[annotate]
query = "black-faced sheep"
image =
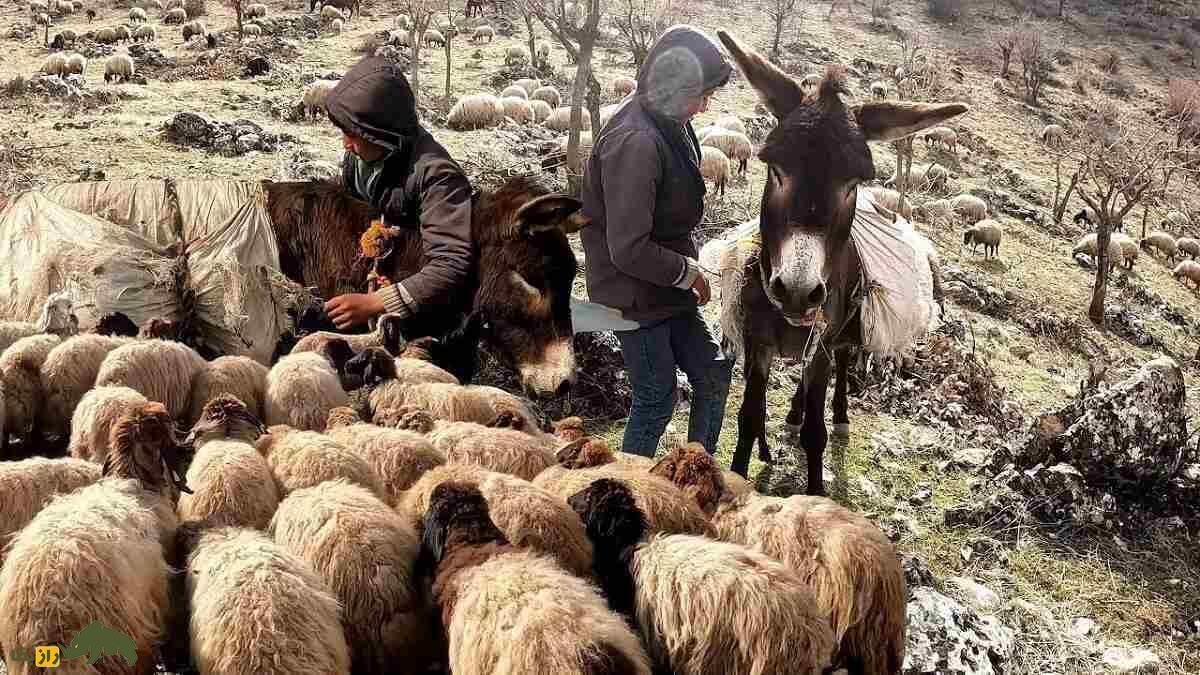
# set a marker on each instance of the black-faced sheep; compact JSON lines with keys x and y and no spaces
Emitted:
{"x":366,"y":554}
{"x":1189,"y":246}
{"x":160,"y":370}
{"x":97,"y":553}
{"x":232,"y":484}
{"x":243,"y":589}
{"x":387,"y":333}
{"x":301,"y":390}
{"x":987,"y":232}
{"x":24,"y":397}
{"x":94,"y":417}
{"x":28,"y":485}
{"x":399,"y":458}
{"x":301,"y":459}
{"x":504,"y":608}
{"x":704,"y":607}
{"x":1163,"y":242}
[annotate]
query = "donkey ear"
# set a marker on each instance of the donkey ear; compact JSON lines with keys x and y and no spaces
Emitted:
{"x":780,"y":93}
{"x":889,"y":120}
{"x":550,"y":212}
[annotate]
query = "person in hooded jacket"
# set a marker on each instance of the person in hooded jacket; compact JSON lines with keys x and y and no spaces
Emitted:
{"x":645,"y":197}
{"x":397,"y":166}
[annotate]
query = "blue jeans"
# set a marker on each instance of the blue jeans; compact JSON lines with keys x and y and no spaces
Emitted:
{"x":651,"y":354}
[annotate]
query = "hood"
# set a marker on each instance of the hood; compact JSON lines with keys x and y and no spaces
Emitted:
{"x":683,"y":63}
{"x":374,"y":101}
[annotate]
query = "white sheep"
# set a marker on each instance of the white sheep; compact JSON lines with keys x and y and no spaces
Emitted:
{"x":542,"y":49}
{"x":94,"y":417}
{"x":987,"y":232}
{"x":529,"y":84}
{"x":118,"y":67}
{"x":55,"y":64}
{"x":28,"y":486}
{"x":541,"y":110}
{"x":475,"y":111}
{"x":942,"y":137}
{"x":483,"y":32}
{"x":714,"y":167}
{"x":924,"y":176}
{"x":623,"y":86}
{"x":313,"y":102}
{"x":301,"y":459}
{"x":733,"y":144}
{"x":301,"y":390}
{"x":24,"y":397}
{"x":1053,"y":134}
{"x":972,"y":209}
{"x":1189,"y":246}
{"x":403,"y":22}
{"x":76,"y":64}
{"x":732,"y":123}
{"x":1088,"y":245}
{"x":398,"y":457}
{"x":879,"y":89}
{"x":560,"y":120}
{"x":433,"y":37}
{"x":239,"y":376}
{"x":1162,"y":241}
{"x":329,"y":13}
{"x":256,"y":10}
{"x":251,"y":30}
{"x":548,"y":94}
{"x":517,"y":109}
{"x":1129,"y":248}
{"x":1187,"y":270}
{"x":514,"y":91}
{"x":160,"y":370}
{"x":57,"y":317}
{"x":137,"y":15}
{"x":175,"y":16}
{"x":193,"y":28}
{"x":1177,"y":219}
{"x":147,"y":34}
{"x":336,"y":26}
{"x":516,"y":55}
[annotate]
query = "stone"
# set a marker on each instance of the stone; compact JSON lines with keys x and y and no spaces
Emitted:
{"x":975,"y":594}
{"x":947,"y":638}
{"x":916,"y":572}
{"x":970,"y":458}
{"x":1133,"y":661}
{"x":1083,"y":627}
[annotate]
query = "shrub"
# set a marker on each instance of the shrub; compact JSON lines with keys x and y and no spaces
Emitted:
{"x":195,"y":8}
{"x":945,"y":9}
{"x":1119,"y":86}
{"x":1183,"y":104}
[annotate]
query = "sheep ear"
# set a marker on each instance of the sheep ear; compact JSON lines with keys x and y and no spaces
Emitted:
{"x":890,"y":120}
{"x":550,"y":212}
{"x":433,"y":539}
{"x":393,"y":336}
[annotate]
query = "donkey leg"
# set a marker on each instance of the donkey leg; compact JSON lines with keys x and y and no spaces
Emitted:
{"x":815,"y":436}
{"x":752,"y":417}
{"x":841,"y":418}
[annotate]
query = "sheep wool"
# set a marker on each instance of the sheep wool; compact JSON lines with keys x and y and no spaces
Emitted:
{"x":475,"y":111}
{"x":1189,"y":246}
{"x":517,"y":109}
{"x":1188,"y":270}
{"x":972,"y":209}
{"x":560,"y":120}
{"x":161,"y":370}
{"x":366,"y":554}
{"x":232,"y":485}
{"x":239,"y":376}
{"x":94,"y":417}
{"x":548,"y":95}
{"x":301,"y":459}
{"x":28,"y":485}
{"x":1162,"y":241}
{"x":20,"y":377}
{"x":514,"y":91}
{"x":623,"y":86}
{"x":398,"y":458}
{"x":118,"y":67}
{"x":541,"y":110}
{"x":458,"y":403}
{"x":504,"y":451}
{"x":714,"y":167}
{"x":301,"y":390}
{"x":243,"y":589}
{"x":516,"y":54}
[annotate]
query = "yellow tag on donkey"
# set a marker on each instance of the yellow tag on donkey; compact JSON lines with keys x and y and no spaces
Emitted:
{"x":93,"y":642}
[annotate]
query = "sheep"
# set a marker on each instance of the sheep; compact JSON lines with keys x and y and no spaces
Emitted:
{"x":193,"y":28}
{"x":37,"y":6}
{"x":331,"y":13}
{"x":1162,"y":241}
{"x":175,"y":16}
{"x":1053,"y":134}
{"x":743,"y":612}
{"x":548,"y":94}
{"x":560,"y":120}
{"x":517,"y":109}
{"x":1129,"y":248}
{"x":530,"y":517}
{"x":1176,"y":219}
{"x":97,"y":553}
{"x":243,"y":589}
{"x":846,"y":560}
{"x":924,"y":176}
{"x":161,"y":370}
{"x":987,"y":232}
{"x":398,"y":38}
{"x":147,"y":34}
{"x":76,"y":64}
{"x":65,"y":8}
{"x":106,"y":36}
{"x":970,"y":208}
{"x":623,"y":85}
{"x":92,"y":422}
{"x":137,"y":15}
{"x":504,"y":451}
{"x":733,"y":144}
{"x":1187,"y":269}
{"x":399,"y":458}
{"x":503,"y":607}
{"x":513,"y":91}
{"x":65,"y":36}
{"x":1088,"y":216}
{"x":232,"y":484}
{"x":1189,"y":246}
{"x":313,"y":104}
{"x":732,"y":123}
{"x":403,"y":22}
{"x":336,"y":26}
{"x":483,"y":32}
{"x":301,"y":390}
{"x":475,"y":111}
{"x":414,"y":365}
{"x":118,"y":67}
{"x":433,"y":37}
{"x":890,"y":200}
{"x":879,"y":89}
{"x":69,"y":372}
{"x":943,"y":137}
{"x":24,"y":397}
{"x":387,"y":333}
{"x":998,"y":84}
{"x":255,"y":11}
{"x":301,"y":459}
{"x":252,"y":30}
{"x":366,"y":554}
{"x":55,"y":64}
{"x":240,"y":376}
{"x":529,"y":84}
{"x":123,"y":34}
{"x":28,"y":485}
{"x":516,"y":54}
{"x":714,"y":167}
{"x":541,"y":110}
{"x":57,"y":317}
{"x":1088,"y":246}
{"x":91,"y":15}
{"x":542,"y":49}
{"x":42,"y":19}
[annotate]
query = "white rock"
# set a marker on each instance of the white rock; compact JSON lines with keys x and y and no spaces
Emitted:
{"x":1083,"y":627}
{"x":1136,"y":661}
{"x":970,"y":457}
{"x":975,"y":594}
{"x":947,"y":638}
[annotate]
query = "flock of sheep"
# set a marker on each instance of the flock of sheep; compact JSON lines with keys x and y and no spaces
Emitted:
{"x":334,"y":538}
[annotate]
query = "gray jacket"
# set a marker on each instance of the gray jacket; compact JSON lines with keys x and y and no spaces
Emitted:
{"x":642,"y":187}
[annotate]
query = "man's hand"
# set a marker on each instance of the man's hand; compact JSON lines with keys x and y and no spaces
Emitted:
{"x":353,"y":309}
{"x":701,"y":289}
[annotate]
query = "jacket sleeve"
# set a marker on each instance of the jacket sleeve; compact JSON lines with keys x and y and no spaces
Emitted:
{"x":630,"y":166}
{"x":446,"y":239}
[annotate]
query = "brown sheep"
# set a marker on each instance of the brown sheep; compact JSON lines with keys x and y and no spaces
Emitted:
{"x":301,"y":459}
{"x":399,"y":458}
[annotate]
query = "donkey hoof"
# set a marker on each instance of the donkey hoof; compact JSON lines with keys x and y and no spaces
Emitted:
{"x":842,"y":430}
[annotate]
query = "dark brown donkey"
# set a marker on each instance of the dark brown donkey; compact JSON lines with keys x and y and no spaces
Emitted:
{"x":520,"y":290}
{"x":816,"y":158}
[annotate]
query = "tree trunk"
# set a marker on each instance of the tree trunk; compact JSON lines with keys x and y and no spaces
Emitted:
{"x":415,"y":42}
{"x":532,"y":40}
{"x":1061,"y":5}
{"x":449,"y":52}
{"x":578,"y":93}
{"x":778,"y":33}
{"x":1096,"y":310}
{"x":1060,"y":204}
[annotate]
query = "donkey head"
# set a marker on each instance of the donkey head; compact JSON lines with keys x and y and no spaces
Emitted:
{"x":816,"y":158}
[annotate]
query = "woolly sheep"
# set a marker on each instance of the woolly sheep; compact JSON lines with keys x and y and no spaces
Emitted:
{"x":879,"y":89}
{"x":475,"y":111}
{"x":251,"y":29}
{"x":42,"y":19}
{"x":232,"y":484}
{"x":256,"y":10}
{"x":516,"y":54}
{"x":118,"y":67}
{"x":504,"y":607}
{"x":517,"y":109}
{"x":76,"y":64}
{"x":301,"y":390}
{"x":123,"y":33}
{"x":57,"y":317}
{"x":239,"y":376}
{"x":399,"y":458}
{"x":28,"y":485}
{"x":541,"y":110}
{"x":943,"y":137}
{"x":175,"y":16}
{"x":1088,"y":245}
{"x":106,"y":36}
{"x":970,"y":208}
{"x":732,"y":123}
{"x":1185,"y":270}
{"x":1177,"y":219}
{"x":1053,"y":134}
{"x":329,"y":13}
{"x":623,"y":86}
{"x":397,"y":38}
{"x":1189,"y":246}
{"x":366,"y":554}
{"x":414,"y":366}
{"x":733,"y":144}
{"x":94,"y":417}
{"x":987,"y":232}
{"x":542,"y":48}
{"x":741,"y":612}
{"x":336,"y":26}
{"x":529,"y":84}
{"x":97,"y":553}
{"x":1129,"y":248}
{"x":65,"y":8}
{"x":193,"y":28}
{"x":69,"y":372}
{"x":503,"y":451}
{"x":714,"y":167}
{"x":433,"y":37}
{"x":55,"y":64}
{"x":137,"y":15}
{"x":160,"y":370}
{"x":24,"y":397}
{"x":403,"y":22}
{"x":890,"y":200}
{"x":387,"y":333}
{"x":1088,"y":216}
{"x":1162,"y":241}
{"x":548,"y":94}
{"x":560,"y":120}
{"x":243,"y":589}
{"x":313,"y":103}
{"x":513,"y":91}
{"x":301,"y":459}
{"x":149,"y":34}
{"x":483,"y":32}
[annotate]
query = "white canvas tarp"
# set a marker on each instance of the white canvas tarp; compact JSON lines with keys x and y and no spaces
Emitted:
{"x":200,"y":250}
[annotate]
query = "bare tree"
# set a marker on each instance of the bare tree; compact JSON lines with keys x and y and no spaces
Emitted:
{"x":1006,"y":42}
{"x":578,"y":36}
{"x":238,"y":7}
{"x":421,"y":13}
{"x":639,"y":23}
{"x":1062,"y":4}
{"x":1031,"y":51}
{"x":447,"y":47}
{"x":526,"y":8}
{"x":782,"y":13}
{"x":911,"y":51}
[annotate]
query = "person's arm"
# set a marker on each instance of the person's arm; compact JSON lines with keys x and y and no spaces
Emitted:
{"x":630,"y":167}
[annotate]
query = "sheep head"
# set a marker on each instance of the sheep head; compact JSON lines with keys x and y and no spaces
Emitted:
{"x":160,"y":329}
{"x":116,"y":324}
{"x":407,"y":417}
{"x":143,"y":447}
{"x":225,"y":416}
{"x":584,"y":453}
{"x":695,"y":472}
{"x":337,"y":352}
{"x":610,"y":514}
{"x":58,"y":316}
{"x":390,"y":326}
{"x":507,"y":417}
{"x":457,"y":515}
{"x":569,"y":429}
{"x":342,"y":417}
{"x":373,"y":366}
